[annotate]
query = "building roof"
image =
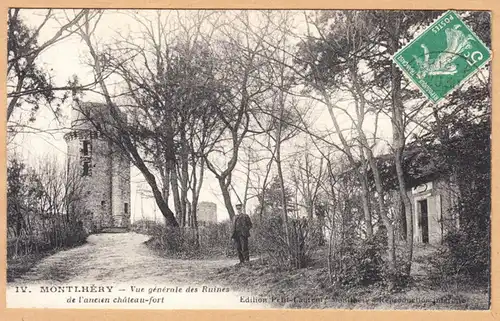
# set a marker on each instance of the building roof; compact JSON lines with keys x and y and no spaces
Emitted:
{"x":418,"y":165}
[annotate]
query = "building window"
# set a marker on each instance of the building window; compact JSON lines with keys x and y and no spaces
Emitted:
{"x":126,"y":208}
{"x":103,"y":204}
{"x":86,"y":168}
{"x":86,"y":147}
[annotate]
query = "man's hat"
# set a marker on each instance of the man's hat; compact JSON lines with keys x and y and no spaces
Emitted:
{"x":239,"y":206}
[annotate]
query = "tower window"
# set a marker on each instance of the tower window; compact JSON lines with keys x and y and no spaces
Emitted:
{"x":103,"y":204}
{"x":126,"y":208}
{"x":86,"y":169}
{"x":86,"y":147}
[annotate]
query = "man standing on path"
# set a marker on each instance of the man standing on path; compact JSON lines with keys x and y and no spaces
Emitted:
{"x":241,"y":232}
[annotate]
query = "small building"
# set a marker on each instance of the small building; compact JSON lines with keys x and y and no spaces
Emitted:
{"x":433,"y":195}
{"x":432,"y":205}
{"x":104,"y":171}
{"x":431,"y":190}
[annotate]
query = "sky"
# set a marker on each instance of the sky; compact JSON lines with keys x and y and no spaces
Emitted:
{"x":67,"y":58}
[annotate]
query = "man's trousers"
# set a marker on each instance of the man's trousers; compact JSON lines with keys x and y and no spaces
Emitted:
{"x":242,"y":247}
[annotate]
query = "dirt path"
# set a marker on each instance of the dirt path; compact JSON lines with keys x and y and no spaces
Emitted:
{"x":124,"y":259}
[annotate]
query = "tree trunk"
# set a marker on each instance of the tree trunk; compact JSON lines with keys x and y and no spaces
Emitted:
{"x":365,"y":199}
{"x":174,"y":182}
{"x":401,"y":217}
{"x":399,"y":142}
{"x":184,"y":178}
{"x":128,"y":145}
{"x":282,"y":181}
{"x":407,"y":209}
{"x":165,"y":177}
{"x":264,"y":184}
{"x":162,"y":204}
{"x":353,"y":163}
{"x":227,"y":197}
{"x":195,"y":196}
{"x":391,"y":252}
{"x":283,"y":200}
{"x":391,"y":245}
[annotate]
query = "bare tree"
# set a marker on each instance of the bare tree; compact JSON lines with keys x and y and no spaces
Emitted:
{"x":241,"y":69}
{"x":332,"y":89}
{"x":308,"y":176}
{"x":122,"y":134}
{"x":44,"y":206}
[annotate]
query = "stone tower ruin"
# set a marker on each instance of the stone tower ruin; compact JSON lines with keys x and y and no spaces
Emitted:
{"x":207,"y":213}
{"x":105,"y":173}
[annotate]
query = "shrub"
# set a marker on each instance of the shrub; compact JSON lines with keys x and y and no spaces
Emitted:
{"x":54,"y":237}
{"x":211,"y":240}
{"x":465,"y":255}
{"x":270,"y":240}
{"x":463,"y":258}
{"x":360,"y":264}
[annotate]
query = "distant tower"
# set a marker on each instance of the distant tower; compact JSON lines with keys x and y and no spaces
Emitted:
{"x":105,"y":172}
{"x":207,"y":212}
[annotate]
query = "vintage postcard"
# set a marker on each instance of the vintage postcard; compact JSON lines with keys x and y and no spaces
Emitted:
{"x":167,"y":159}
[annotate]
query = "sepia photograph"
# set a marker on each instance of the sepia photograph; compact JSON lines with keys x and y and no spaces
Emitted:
{"x":248,"y":159}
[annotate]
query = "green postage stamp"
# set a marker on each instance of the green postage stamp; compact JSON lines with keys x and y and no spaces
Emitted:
{"x":445,"y":55}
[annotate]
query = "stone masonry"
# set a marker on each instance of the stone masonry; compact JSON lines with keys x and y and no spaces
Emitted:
{"x":207,"y":212}
{"x":105,"y":173}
